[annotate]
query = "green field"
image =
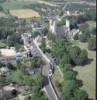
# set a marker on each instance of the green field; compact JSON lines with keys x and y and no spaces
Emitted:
{"x":2,"y":45}
{"x":19,"y":4}
{"x":91,"y":24}
{"x":88,"y":73}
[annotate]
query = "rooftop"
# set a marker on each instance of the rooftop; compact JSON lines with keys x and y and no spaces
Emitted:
{"x":8,"y":52}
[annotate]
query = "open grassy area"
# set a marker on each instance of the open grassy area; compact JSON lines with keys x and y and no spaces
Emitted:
{"x":24,"y":13}
{"x":91,"y":24}
{"x":2,"y":45}
{"x":87,"y":73}
{"x":18,"y":4}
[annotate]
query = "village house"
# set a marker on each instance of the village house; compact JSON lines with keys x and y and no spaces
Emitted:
{"x":4,"y":71}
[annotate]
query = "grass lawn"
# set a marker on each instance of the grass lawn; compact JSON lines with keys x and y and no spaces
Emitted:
{"x":91,"y":24}
{"x":87,"y":73}
{"x":2,"y":45}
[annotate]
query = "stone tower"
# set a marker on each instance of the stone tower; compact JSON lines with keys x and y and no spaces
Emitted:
{"x":52,"y":26}
{"x":68,"y":25}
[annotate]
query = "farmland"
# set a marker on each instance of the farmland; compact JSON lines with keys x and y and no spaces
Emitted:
{"x":24,"y":13}
{"x":19,"y":4}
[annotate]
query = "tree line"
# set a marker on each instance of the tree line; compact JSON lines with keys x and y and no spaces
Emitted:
{"x":68,"y":56}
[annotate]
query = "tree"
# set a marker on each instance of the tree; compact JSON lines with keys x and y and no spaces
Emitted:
{"x":34,"y":34}
{"x":43,"y":45}
{"x":76,"y":37}
{"x":51,"y":37}
{"x":15,"y":40}
{"x":67,"y":67}
{"x":1,"y":1}
{"x":73,"y":24}
{"x":45,"y":31}
{"x":84,"y":36}
{"x":2,"y":64}
{"x":80,"y":95}
{"x":69,"y":87}
{"x":74,"y":52}
{"x":17,"y":77}
{"x":1,"y":8}
{"x":78,"y":56}
{"x":38,"y":79}
{"x":83,"y":57}
{"x":80,"y":19}
{"x":22,"y":67}
{"x":69,"y":75}
{"x":11,"y":66}
{"x":61,"y":13}
{"x":59,"y":50}
{"x":28,"y":80}
{"x":84,"y":27}
{"x":37,"y":94}
{"x":36,"y":62}
{"x":93,"y":31}
{"x":92,"y":43}
{"x":0,"y":53}
{"x":64,"y":60}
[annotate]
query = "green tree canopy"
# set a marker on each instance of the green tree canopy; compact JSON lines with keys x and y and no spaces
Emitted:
{"x":80,"y":95}
{"x":78,"y":56}
{"x":92,"y":43}
{"x":68,"y":88}
{"x":84,"y":36}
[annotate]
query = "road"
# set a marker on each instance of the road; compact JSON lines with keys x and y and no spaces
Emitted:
{"x":47,"y":3}
{"x":65,"y":5}
{"x":85,"y":2}
{"x":47,"y":84}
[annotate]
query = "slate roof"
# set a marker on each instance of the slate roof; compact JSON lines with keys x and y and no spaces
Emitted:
{"x":60,"y":31}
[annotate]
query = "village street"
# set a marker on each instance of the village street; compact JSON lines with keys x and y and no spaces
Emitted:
{"x":47,"y":84}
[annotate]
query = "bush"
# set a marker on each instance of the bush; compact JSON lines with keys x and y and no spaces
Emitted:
{"x":78,"y":56}
{"x":92,"y":43}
